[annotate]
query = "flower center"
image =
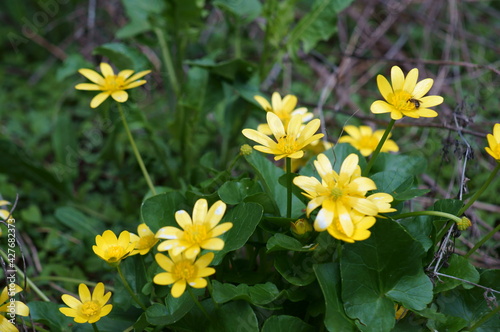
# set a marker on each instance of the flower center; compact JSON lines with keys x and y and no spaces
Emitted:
{"x":336,"y":193}
{"x":90,"y":308}
{"x":113,"y":83}
{"x":196,"y":233}
{"x":146,"y":242}
{"x":402,"y":101}
{"x":184,"y":270}
{"x":115,"y":253}
{"x":287,"y":144}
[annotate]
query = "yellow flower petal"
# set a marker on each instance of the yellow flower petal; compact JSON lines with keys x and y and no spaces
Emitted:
{"x":384,"y":87}
{"x":397,"y":78}
{"x":92,"y":76}
{"x":422,"y":87}
{"x":263,"y":103}
{"x":411,"y":81}
{"x":198,"y":283}
{"x":98,"y":99}
{"x":179,"y":288}
{"x":120,"y":96}
{"x":213,"y":244}
{"x":88,"y":86}
{"x":200,"y":211}
{"x":106,"y":69}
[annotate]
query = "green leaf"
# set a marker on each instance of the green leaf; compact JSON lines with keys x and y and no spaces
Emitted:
{"x":234,"y":192}
{"x":138,"y":13}
{"x":269,"y":175}
{"x":64,"y":140}
{"x":329,"y":280}
{"x":283,"y":242}
{"x":259,"y":294}
{"x":420,"y":228}
{"x":173,"y":310}
{"x":296,"y":269}
{"x":320,"y":23}
{"x":232,"y":315}
{"x":245,"y":218}
{"x":79,"y":222}
{"x":70,"y":67}
{"x":159,"y":211}
{"x":245,"y":10}
{"x":458,"y":267}
{"x":284,"y":323}
{"x":123,"y":56}
{"x":404,"y":165}
{"x":388,"y":182}
{"x":231,"y":70}
{"x":386,"y":267}
{"x":48,"y":314}
{"x":19,"y":165}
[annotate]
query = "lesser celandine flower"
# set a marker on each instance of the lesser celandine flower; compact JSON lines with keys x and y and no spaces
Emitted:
{"x":360,"y":225}
{"x":11,"y":308}
{"x":113,"y":249}
{"x":283,"y":108}
{"x":404,"y":96}
{"x":366,"y":141}
{"x":339,"y":194}
{"x":197,"y":233}
{"x":143,"y":241}
{"x":182,"y":271}
{"x":494,"y":142}
{"x":89,"y":308}
{"x":289,"y":143}
{"x":110,"y":84}
{"x":4,"y":213}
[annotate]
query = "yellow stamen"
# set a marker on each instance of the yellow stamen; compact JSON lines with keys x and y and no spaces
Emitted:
{"x":184,"y":270}
{"x":90,"y":308}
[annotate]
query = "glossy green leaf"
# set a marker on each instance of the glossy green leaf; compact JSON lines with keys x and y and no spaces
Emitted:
{"x":320,"y":23}
{"x":269,"y":175}
{"x":232,"y":314}
{"x":283,"y":242}
{"x":48,"y":314}
{"x":385,"y":268}
{"x":459,"y":267}
{"x":284,"y":323}
{"x":245,"y":218}
{"x":329,"y":280}
{"x":245,"y":10}
{"x":297,"y":269}
{"x":159,"y":211}
{"x":258,"y":294}
{"x":234,"y":192}
{"x":79,"y":222}
{"x":123,"y":56}
{"x":138,"y":13}
{"x":404,"y":165}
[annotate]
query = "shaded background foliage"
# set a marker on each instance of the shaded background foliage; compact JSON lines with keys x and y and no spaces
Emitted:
{"x":71,"y":165}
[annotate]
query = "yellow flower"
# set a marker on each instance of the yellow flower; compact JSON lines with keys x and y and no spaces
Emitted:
{"x":494,"y":142}
{"x":283,"y":108}
{"x":360,"y":223}
{"x":11,"y":308}
{"x":405,"y":97}
{"x":288,"y":143}
{"x":199,"y":232}
{"x":400,"y":311}
{"x":90,"y":308}
{"x":366,"y":141}
{"x":339,"y":194}
{"x":181,"y":271}
{"x":301,"y":228}
{"x":110,"y":84}
{"x":4,"y":213}
{"x":311,"y":150}
{"x":113,"y":249}
{"x":144,"y":241}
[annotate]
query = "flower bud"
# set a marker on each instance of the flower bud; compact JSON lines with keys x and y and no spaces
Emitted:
{"x":464,"y":224}
{"x":245,"y":149}
{"x":301,"y":228}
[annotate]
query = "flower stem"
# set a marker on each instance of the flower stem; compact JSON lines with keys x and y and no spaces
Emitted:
{"x":483,"y":240}
{"x":379,"y":147}
{"x":481,"y":190}
{"x":172,"y":76}
{"x":127,"y":286}
{"x":427,"y":213}
{"x":136,"y":152}
{"x":94,"y":326}
{"x":198,"y":304}
{"x":288,"y":162}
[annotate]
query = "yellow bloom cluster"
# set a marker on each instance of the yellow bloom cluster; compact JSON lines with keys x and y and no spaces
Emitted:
{"x":347,"y":212}
{"x":184,"y":245}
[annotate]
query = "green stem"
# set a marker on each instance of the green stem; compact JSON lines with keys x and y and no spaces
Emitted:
{"x":427,"y":213}
{"x":288,"y":162}
{"x":481,"y":190}
{"x":198,"y":304}
{"x":210,"y":291}
{"x":167,"y":59}
{"x":136,"y":151}
{"x":485,"y":318}
{"x":483,"y":240}
{"x":378,"y":148}
{"x":94,"y":326}
{"x":28,"y":280}
{"x":127,"y":286}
